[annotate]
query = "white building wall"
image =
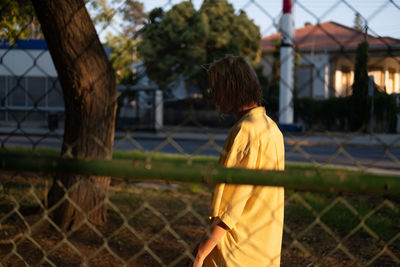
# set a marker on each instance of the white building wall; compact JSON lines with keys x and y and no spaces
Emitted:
{"x":17,"y":62}
{"x":320,"y":73}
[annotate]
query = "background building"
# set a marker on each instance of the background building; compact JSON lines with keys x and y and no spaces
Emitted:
{"x":326,"y":57}
{"x":29,"y":88}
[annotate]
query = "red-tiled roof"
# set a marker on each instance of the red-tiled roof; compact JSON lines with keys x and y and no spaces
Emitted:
{"x":328,"y":35}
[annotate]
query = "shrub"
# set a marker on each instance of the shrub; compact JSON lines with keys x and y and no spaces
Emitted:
{"x":340,"y":113}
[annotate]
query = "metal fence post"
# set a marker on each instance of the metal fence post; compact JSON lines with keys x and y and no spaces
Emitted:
{"x":287,"y":65}
{"x":371,"y":85}
{"x":158,"y":110}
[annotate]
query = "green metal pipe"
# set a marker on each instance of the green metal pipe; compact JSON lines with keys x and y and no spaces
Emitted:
{"x":178,"y":169}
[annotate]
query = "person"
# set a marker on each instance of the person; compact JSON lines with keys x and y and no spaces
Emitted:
{"x":247,"y":220}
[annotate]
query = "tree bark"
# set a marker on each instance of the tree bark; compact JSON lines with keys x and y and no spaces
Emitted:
{"x":90,"y":97}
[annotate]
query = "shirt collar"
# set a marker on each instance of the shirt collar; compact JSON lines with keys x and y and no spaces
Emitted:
{"x":254,"y":112}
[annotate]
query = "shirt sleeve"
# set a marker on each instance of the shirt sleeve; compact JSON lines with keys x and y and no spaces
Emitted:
{"x":233,"y":201}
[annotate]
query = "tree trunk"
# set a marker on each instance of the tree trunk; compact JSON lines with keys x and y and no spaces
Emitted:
{"x":90,"y":97}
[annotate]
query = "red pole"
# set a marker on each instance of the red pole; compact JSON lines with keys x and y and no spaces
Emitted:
{"x":287,"y":6}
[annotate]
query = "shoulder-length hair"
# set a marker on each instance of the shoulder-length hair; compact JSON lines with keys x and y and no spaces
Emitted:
{"x":234,"y":84}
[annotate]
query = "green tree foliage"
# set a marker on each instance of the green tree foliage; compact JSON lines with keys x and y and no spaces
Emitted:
{"x":133,"y":16}
{"x":122,"y":56}
{"x":360,"y":86}
{"x":180,"y":40}
{"x":359,"y":97}
{"x":18,"y":20}
{"x":229,"y":33}
{"x":104,"y":13}
{"x":123,"y":44}
{"x":173,"y":44}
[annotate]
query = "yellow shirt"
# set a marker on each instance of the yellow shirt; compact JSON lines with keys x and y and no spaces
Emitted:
{"x":254,"y":214}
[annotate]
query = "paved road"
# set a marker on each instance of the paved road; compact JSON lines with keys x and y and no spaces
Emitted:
{"x":365,"y":155}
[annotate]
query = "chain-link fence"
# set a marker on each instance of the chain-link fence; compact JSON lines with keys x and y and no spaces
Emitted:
{"x":153,"y":114}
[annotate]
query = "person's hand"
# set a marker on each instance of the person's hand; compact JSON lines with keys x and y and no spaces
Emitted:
{"x":198,"y":262}
{"x":206,"y":246}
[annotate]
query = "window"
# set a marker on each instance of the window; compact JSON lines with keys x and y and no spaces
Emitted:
{"x":16,"y":91}
{"x":346,"y":81}
{"x":3,"y":98}
{"x":391,"y":82}
{"x":3,"y":90}
{"x":54,"y":93}
{"x":377,"y":73}
{"x":304,"y":81}
{"x":30,"y":92}
{"x":18,"y":94}
{"x":36,"y":93}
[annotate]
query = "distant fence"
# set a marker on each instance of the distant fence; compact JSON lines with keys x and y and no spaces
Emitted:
{"x":139,"y":108}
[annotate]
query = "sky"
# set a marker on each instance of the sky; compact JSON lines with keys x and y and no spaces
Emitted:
{"x":382,"y":16}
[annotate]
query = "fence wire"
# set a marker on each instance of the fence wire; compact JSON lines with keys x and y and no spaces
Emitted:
{"x":153,"y":210}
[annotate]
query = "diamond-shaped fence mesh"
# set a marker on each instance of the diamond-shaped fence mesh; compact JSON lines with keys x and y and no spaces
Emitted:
{"x":117,"y":166}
